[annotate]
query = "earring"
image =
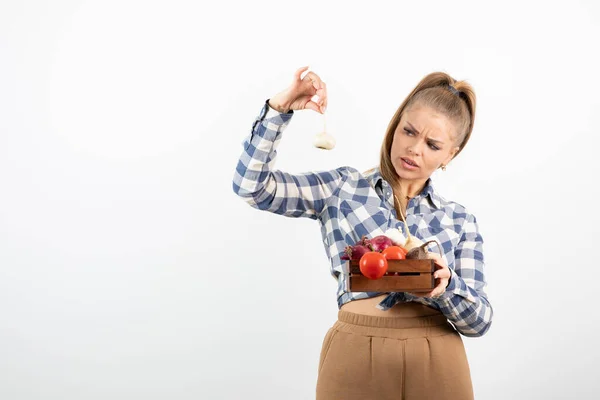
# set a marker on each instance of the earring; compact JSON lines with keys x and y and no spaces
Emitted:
{"x":443,"y":167}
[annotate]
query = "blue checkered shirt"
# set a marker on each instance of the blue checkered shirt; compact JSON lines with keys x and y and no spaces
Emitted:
{"x":349,"y":204}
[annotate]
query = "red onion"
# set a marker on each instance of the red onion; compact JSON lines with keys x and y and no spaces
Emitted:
{"x":380,"y":243}
{"x":355,"y":252}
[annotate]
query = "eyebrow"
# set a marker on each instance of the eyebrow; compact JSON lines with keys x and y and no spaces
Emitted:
{"x":414,"y":129}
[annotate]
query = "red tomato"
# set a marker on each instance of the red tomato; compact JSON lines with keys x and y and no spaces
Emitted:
{"x":394,"y":253}
{"x":373,"y":265}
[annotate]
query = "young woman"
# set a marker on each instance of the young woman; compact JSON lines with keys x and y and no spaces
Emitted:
{"x":385,"y":345}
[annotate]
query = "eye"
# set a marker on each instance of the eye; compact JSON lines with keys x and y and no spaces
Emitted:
{"x":433,"y":146}
{"x":408,"y":132}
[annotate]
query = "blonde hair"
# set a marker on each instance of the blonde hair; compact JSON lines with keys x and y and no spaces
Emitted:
{"x":433,"y":91}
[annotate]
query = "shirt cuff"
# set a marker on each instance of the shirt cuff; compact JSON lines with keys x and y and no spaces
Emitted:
{"x":271,"y":112}
{"x":456,"y":287}
{"x":266,"y":127}
{"x":449,"y":292}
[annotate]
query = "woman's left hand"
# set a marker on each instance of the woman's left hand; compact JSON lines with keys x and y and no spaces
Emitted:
{"x":441,"y":275}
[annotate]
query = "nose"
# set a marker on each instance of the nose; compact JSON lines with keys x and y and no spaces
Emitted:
{"x":415,"y":149}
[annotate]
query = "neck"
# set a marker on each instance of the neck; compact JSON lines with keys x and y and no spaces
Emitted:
{"x":409,"y":188}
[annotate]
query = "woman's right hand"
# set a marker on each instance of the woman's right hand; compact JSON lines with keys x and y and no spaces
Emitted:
{"x":299,"y":94}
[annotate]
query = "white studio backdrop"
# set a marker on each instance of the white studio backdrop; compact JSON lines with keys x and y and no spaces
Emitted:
{"x":128,"y":267}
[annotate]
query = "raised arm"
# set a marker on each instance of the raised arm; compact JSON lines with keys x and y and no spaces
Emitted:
{"x":255,"y":180}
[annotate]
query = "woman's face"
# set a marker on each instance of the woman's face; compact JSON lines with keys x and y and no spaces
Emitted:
{"x":424,"y":138}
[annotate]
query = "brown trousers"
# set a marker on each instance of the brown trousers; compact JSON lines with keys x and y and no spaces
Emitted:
{"x":403,"y":357}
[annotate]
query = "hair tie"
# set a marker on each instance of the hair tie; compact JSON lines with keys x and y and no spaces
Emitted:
{"x":453,"y":90}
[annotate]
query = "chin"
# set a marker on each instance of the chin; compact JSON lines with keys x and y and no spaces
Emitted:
{"x":402,"y":174}
{"x":399,"y":170}
{"x":408,"y":175}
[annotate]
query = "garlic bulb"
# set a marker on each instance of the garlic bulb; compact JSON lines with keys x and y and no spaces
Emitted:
{"x":396,"y":236}
{"x":324,"y":141}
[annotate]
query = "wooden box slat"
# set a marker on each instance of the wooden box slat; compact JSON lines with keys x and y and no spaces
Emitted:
{"x":402,"y":276}
{"x":386,"y":283}
{"x":400,"y":266}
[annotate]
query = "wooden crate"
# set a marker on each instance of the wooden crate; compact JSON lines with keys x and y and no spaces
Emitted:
{"x":402,"y":276}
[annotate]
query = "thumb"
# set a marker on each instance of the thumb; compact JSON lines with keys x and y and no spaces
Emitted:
{"x":434,"y":256}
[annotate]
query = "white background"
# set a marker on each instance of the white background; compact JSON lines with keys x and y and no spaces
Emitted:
{"x":130,"y":270}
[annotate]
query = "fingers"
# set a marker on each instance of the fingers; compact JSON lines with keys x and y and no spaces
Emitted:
{"x":313,"y":85}
{"x":441,"y":275}
{"x":311,"y":105}
{"x":320,"y":89}
{"x":314,"y":78}
{"x":310,"y":76}
{"x":434,"y":256}
{"x":437,"y":292}
{"x":322,"y":93}
{"x":440,"y":263}
{"x":307,"y":104}
{"x":299,"y":72}
{"x":323,"y":98}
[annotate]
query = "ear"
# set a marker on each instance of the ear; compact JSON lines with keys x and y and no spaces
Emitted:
{"x":451,"y":155}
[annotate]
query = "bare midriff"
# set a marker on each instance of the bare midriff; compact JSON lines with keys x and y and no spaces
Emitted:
{"x":405,"y":310}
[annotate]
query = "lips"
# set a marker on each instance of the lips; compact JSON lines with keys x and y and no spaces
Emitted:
{"x":409,"y":161}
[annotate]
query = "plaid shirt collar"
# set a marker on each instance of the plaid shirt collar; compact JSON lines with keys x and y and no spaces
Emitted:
{"x":376,"y":180}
